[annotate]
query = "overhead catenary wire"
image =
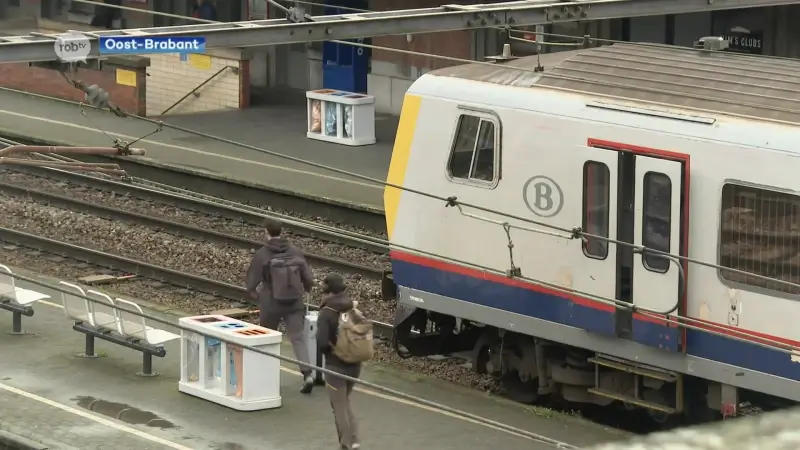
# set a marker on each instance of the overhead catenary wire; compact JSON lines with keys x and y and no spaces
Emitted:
{"x":684,"y":322}
{"x":399,"y":394}
{"x":573,"y":233}
{"x":197,"y":19}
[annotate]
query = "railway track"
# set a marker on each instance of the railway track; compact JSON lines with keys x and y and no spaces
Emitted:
{"x":180,"y":198}
{"x":161,"y":194}
{"x":159,"y":176}
{"x":179,"y":228}
{"x":157,"y":279}
{"x":183,"y":280}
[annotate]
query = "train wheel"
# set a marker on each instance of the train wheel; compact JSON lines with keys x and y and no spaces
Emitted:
{"x":520,"y":391}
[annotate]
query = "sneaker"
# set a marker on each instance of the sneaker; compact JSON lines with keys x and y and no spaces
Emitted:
{"x":356,"y":446}
{"x":308,"y":385}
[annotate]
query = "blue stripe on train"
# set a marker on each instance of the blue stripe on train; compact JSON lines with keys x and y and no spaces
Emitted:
{"x":554,"y":308}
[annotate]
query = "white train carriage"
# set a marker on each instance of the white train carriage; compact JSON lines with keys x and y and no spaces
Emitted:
{"x":685,"y":151}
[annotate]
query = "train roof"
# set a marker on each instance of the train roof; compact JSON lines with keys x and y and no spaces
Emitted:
{"x":721,"y":82}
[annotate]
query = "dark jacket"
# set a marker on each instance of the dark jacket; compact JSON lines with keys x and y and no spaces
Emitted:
{"x":328,"y":328}
{"x":258,"y":273}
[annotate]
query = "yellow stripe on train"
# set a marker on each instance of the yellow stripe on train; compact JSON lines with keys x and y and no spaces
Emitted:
{"x":400,"y":155}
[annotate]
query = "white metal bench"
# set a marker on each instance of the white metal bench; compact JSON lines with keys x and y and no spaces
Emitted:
{"x":16,"y":300}
{"x":104,"y":320}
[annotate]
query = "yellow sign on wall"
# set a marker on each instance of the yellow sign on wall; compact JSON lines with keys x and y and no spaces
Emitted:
{"x":126,"y":77}
{"x":202,"y":62}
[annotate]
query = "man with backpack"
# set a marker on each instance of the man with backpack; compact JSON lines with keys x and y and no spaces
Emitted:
{"x":284,"y":275}
{"x":344,"y":336}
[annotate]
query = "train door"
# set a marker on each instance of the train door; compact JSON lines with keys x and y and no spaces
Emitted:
{"x":652,"y":195}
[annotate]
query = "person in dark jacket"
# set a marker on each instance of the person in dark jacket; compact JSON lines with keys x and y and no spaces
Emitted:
{"x":339,"y":389}
{"x":291,"y":310}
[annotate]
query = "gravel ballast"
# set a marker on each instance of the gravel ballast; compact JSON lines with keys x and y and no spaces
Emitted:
{"x":198,"y":219}
{"x":211,"y":260}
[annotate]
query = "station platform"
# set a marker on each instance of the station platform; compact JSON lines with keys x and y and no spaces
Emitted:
{"x":276,"y":127}
{"x":67,"y":402}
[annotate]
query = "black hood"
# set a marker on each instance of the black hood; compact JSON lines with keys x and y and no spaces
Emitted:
{"x":277,"y":245}
{"x":339,"y":302}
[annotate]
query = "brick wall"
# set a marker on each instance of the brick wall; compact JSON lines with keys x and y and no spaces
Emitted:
{"x":50,"y":82}
{"x":448,"y":43}
{"x":171,"y":77}
{"x":393,"y":73}
{"x":168,"y":78}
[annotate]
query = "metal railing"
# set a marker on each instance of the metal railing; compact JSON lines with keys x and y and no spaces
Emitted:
{"x":235,"y":70}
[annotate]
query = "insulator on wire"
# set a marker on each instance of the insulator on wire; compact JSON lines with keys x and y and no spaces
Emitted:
{"x":96,"y":96}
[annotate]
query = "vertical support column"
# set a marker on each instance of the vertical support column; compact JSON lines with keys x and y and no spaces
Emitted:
{"x":88,"y":347}
{"x":669,"y":30}
{"x":147,"y":366}
{"x":16,"y":322}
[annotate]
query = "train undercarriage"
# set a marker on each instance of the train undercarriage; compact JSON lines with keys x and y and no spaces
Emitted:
{"x":531,"y":370}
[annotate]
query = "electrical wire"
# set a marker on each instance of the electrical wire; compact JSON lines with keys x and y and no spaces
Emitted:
{"x":505,"y":427}
{"x":197,"y":19}
{"x":144,"y":11}
{"x":678,"y":321}
{"x":573,"y":233}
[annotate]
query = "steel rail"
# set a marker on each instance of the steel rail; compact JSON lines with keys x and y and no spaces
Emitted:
{"x":182,"y":183}
{"x":143,"y":269}
{"x":243,"y":214}
{"x":180,"y":229}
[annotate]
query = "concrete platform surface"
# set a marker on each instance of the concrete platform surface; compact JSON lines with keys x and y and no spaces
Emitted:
{"x":69,"y":402}
{"x":279,"y":128}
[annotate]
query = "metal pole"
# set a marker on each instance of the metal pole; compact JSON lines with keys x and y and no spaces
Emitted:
{"x":10,"y":150}
{"x":147,"y":366}
{"x":16,"y":321}
{"x":89,"y":347}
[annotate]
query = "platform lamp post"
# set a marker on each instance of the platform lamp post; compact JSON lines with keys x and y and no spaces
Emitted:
{"x":106,"y":168}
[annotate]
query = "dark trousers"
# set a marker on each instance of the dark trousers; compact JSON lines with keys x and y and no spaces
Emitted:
{"x":295,"y":321}
{"x":339,"y":391}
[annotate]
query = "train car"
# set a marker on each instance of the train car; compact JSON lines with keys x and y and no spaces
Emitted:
{"x":646,"y":148}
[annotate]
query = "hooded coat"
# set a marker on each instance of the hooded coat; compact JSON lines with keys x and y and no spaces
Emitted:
{"x":258,"y":273}
{"x":328,"y":326}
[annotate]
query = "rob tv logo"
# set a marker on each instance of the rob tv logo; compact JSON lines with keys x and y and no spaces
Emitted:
{"x":72,"y":47}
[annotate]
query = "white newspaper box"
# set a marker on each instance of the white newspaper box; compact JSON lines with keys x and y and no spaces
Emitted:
{"x":311,"y":337}
{"x":228,"y":374}
{"x":341,"y":117}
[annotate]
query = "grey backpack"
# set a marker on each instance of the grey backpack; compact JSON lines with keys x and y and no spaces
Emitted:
{"x":286,"y":277}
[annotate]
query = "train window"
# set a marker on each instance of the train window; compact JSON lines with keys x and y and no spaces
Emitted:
{"x":596,"y":191}
{"x":656,"y":219}
{"x":473,"y":150}
{"x":759,"y":235}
